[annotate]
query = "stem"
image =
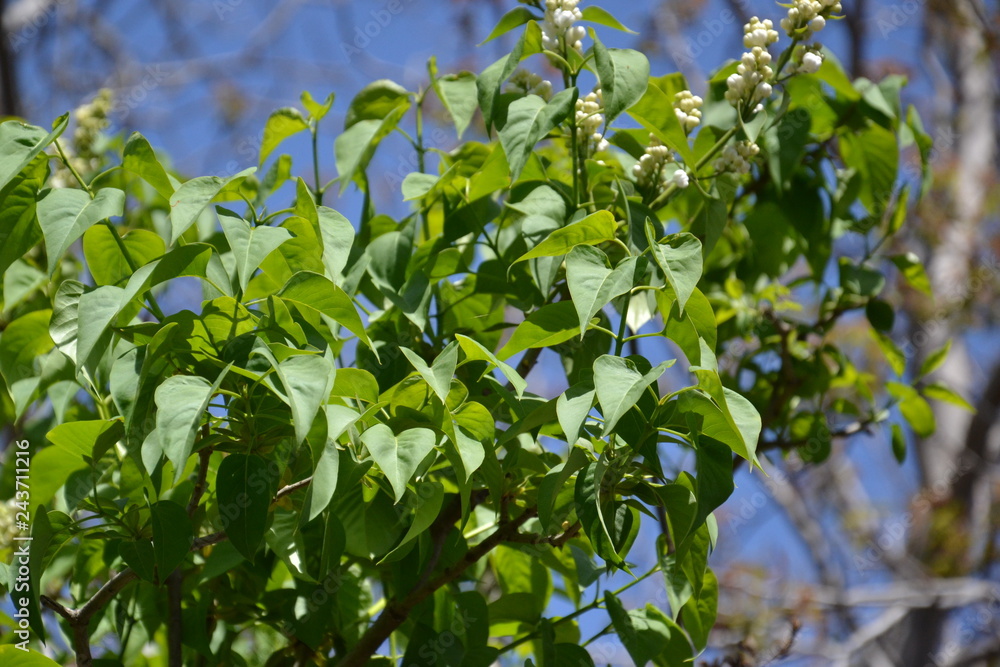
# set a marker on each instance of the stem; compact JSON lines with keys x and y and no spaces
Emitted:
{"x":175,"y":620}
{"x":579,"y":612}
{"x":620,"y":342}
{"x":712,"y":152}
{"x":397,"y":611}
{"x":318,"y":190}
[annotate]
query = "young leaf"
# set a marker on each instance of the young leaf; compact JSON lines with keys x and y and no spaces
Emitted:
{"x":595,"y":228}
{"x":181,"y":400}
{"x":529,"y":120}
{"x":620,"y":384}
{"x":547,"y":326}
{"x":488,"y":83}
{"x":376,"y":101}
{"x":250,"y":245}
{"x":398,"y":456}
{"x":281,"y":124}
{"x":20,"y":143}
{"x":317,"y":292}
{"x":474,"y":351}
{"x":458,"y":94}
{"x":139,"y":158}
{"x":595,"y":14}
{"x":934,"y":360}
{"x":19,"y":230}
{"x":649,"y":635}
{"x":65,"y":215}
{"x":592,"y":285}
{"x":191,"y":198}
{"x":104,"y":257}
{"x":680,"y":260}
{"x":245,"y":486}
{"x":572,"y":409}
{"x":306,"y":379}
{"x":438,"y":375}
{"x":512,"y":19}
{"x":624,"y":76}
{"x":355,"y":148}
{"x":316,"y":110}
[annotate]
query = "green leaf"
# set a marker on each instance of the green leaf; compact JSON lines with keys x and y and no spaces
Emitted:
{"x":595,"y":228}
{"x":939,"y":392}
{"x":398,"y":456}
{"x":281,"y":124}
{"x":245,"y":486}
{"x":438,"y":375}
{"x":65,"y":215}
{"x":376,"y":101}
{"x":19,"y":230}
{"x":547,"y":326}
{"x":700,"y":612}
{"x":490,"y":81}
{"x":458,"y":94}
{"x":934,"y":360}
{"x":895,"y":356}
{"x":874,"y":153}
{"x":20,"y":143}
{"x":250,"y":245}
{"x":416,"y":185}
{"x":307,"y":380}
{"x":191,"y":198}
{"x":73,"y":443}
{"x":619,"y":385}
{"x":181,"y":401}
{"x":23,"y":341}
{"x":529,"y":120}
{"x":648,"y":634}
{"x":139,"y":158}
{"x":428,"y":499}
{"x":172,"y":536}
{"x":317,"y":292}
{"x":572,"y":409}
{"x":915,"y":410}
{"x":595,"y":14}
{"x":680,"y":259}
{"x":338,"y":418}
{"x":474,"y":351}
{"x":355,"y":148}
{"x":898,"y":443}
{"x":512,"y":19}
{"x":592,"y":285}
{"x":654,"y":111}
{"x":12,"y":656}
{"x":316,"y":111}
{"x":911,"y":268}
{"x":105,"y":260}
{"x":624,"y":76}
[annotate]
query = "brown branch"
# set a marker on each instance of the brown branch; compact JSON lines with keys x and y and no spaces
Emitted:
{"x":199,"y":486}
{"x":79,"y":619}
{"x":397,"y":611}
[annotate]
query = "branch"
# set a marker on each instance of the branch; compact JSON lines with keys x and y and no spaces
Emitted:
{"x":397,"y":611}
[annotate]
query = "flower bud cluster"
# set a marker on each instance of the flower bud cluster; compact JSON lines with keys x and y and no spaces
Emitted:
{"x":807,"y":17}
{"x":807,"y":59}
{"x":649,"y":171}
{"x":560,"y":15}
{"x":750,"y":84}
{"x":736,"y":158}
{"x":528,"y":83}
{"x":84,"y":152}
{"x":688,"y":109}
{"x":590,"y":119}
{"x":91,"y":120}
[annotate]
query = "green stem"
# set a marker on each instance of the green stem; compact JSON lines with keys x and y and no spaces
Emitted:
{"x":620,"y":343}
{"x":318,"y":191}
{"x":712,"y":152}
{"x":579,"y":612}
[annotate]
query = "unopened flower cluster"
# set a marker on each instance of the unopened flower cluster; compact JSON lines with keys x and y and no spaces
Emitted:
{"x":8,"y":529}
{"x":560,"y":15}
{"x":736,"y":158}
{"x":807,"y":17}
{"x":589,"y":119}
{"x":750,"y":84}
{"x":807,"y":59}
{"x":688,"y":109}
{"x":528,"y":83}
{"x":650,"y":170}
{"x":84,"y":154}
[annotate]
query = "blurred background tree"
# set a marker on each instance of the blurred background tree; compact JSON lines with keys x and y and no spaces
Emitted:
{"x":857,"y":561}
